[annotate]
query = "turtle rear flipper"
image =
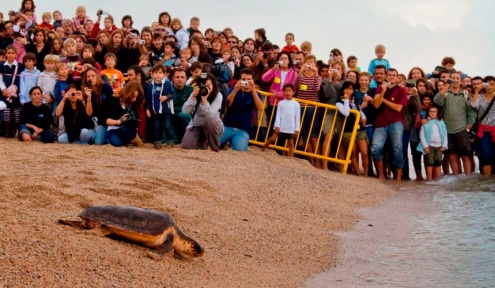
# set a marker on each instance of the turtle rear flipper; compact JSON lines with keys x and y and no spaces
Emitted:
{"x":72,"y":223}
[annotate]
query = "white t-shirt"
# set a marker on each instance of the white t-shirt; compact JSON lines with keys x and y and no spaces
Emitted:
{"x":288,"y":116}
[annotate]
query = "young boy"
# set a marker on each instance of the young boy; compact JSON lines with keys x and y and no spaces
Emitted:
{"x":290,"y":47}
{"x":194,"y":25}
{"x":169,"y":57}
{"x":47,"y":20}
{"x":29,"y":77}
{"x":9,"y":85}
{"x":48,"y":78}
{"x":160,"y":106}
{"x":71,"y":58}
{"x":62,"y":71}
{"x":379,"y":60}
{"x":115,"y":77}
{"x":195,"y":71}
{"x":144,"y":63}
{"x":287,"y":121}
{"x":226,"y":55}
{"x":352,"y":63}
{"x":57,"y":17}
{"x":185,"y":60}
{"x":3,"y":55}
{"x":433,"y":141}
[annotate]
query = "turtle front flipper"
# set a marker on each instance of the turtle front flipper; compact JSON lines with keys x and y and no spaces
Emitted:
{"x":72,"y":223}
{"x":166,"y":246}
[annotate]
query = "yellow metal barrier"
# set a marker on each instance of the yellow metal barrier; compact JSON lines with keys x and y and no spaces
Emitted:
{"x":322,"y":109}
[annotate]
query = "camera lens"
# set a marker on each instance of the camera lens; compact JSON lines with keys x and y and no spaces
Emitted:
{"x":73,"y":94}
{"x":203,"y":91}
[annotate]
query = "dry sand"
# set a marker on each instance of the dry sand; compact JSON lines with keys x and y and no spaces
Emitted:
{"x":264,"y":220}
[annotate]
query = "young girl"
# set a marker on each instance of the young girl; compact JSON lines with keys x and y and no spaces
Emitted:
{"x":180,"y":33}
{"x":57,"y":47}
{"x":80,"y":19}
{"x":344,"y":106}
{"x":164,"y":19}
{"x":9,"y":85}
{"x":21,"y":26}
{"x":29,"y":5}
{"x":433,"y":141}
{"x":287,"y":121}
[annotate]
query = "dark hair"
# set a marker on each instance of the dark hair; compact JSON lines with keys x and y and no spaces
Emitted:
{"x":29,"y":56}
{"x":448,"y":60}
{"x":139,"y":70}
{"x":90,"y":61}
{"x":196,"y":65}
{"x":127,"y":17}
{"x":169,"y":43}
{"x":158,"y":67}
{"x":267,"y":46}
{"x":380,"y":67}
{"x":32,"y":4}
{"x":488,"y":78}
{"x":345,"y":85}
{"x":393,"y":70}
{"x":169,"y":18}
{"x":289,"y":85}
{"x":476,"y":78}
{"x":34,"y":88}
{"x":247,"y":71}
{"x":321,"y":67}
{"x":214,"y":92}
{"x":288,"y":56}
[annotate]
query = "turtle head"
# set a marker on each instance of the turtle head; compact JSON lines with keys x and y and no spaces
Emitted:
{"x":186,"y":248}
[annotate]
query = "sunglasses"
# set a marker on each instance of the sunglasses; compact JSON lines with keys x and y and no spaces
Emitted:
{"x":159,"y":30}
{"x":233,"y":42}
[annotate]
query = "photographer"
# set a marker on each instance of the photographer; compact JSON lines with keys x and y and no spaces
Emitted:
{"x":78,"y":124}
{"x":204,"y":104}
{"x":122,"y":118}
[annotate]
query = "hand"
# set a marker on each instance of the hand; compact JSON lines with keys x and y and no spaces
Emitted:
{"x":445,"y":89}
{"x":238,"y":85}
{"x":148,"y":113}
{"x":5,"y":93}
{"x":38,"y":130}
{"x":87,"y":92}
{"x":26,"y":137}
{"x":163,"y":98}
{"x":275,"y":67}
{"x":427,"y":150}
{"x":424,"y":121}
{"x":79,"y":95}
{"x":478,"y":89}
{"x":415,"y":93}
{"x":363,"y":121}
{"x":384,"y":86}
{"x":21,"y":40}
{"x":330,"y":74}
{"x":195,"y":91}
{"x":277,"y":130}
{"x":443,"y":149}
{"x":296,"y":133}
{"x":251,"y":85}
{"x":272,"y":93}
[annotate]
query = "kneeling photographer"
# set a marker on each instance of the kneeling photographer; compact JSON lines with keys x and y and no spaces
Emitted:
{"x":122,"y":118}
{"x":204,"y":105}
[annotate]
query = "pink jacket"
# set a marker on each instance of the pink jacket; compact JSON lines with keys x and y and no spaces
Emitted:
{"x":274,"y":77}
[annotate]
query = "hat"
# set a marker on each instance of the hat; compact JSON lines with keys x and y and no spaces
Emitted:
{"x":410,"y":83}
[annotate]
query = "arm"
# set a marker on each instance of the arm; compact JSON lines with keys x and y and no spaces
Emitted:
{"x":379,"y":97}
{"x":422,"y":138}
{"x":268,"y":76}
{"x":298,"y":117}
{"x":23,"y":97}
{"x":257,"y":101}
{"x":60,"y":108}
{"x":231,"y":97}
{"x":277,"y":117}
{"x":189,"y":105}
{"x":2,"y":84}
{"x":344,"y":108}
{"x":392,"y":105}
{"x":440,"y":98}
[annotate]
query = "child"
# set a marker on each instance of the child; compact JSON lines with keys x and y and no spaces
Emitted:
{"x":352,"y":63}
{"x":57,"y":17}
{"x":21,"y":26}
{"x":9,"y":84}
{"x":226,"y":56}
{"x":185,"y":60}
{"x":306,"y":48}
{"x":29,"y":77}
{"x":156,"y":52}
{"x":144,"y":62}
{"x":127,"y":23}
{"x":194,"y":25}
{"x":433,"y":141}
{"x":169,"y":58}
{"x":29,"y":5}
{"x":48,"y":78}
{"x":80,"y":19}
{"x":47,"y":20}
{"x":115,"y":77}
{"x":3,"y":56}
{"x":195,"y":71}
{"x":290,"y":47}
{"x":160,"y":106}
{"x":62,"y":71}
{"x":379,"y":60}
{"x":287,"y":121}
{"x":87,"y":52}
{"x":71,"y":58}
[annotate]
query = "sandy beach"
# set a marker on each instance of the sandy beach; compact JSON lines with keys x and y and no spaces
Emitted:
{"x":264,"y":220}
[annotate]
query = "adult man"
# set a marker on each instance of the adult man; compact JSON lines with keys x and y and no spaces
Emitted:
{"x":477,"y":82}
{"x":7,"y":35}
{"x":391,"y":99}
{"x":68,"y":28}
{"x":241,"y":102}
{"x":182,"y":92}
{"x":298,"y":61}
{"x":459,"y":116}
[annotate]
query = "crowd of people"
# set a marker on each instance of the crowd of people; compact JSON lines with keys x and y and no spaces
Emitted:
{"x":78,"y":81}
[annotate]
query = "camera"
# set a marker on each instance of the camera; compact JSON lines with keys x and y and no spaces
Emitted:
{"x":309,"y":66}
{"x":295,"y":62}
{"x":450,"y":81}
{"x":244,"y":83}
{"x":203,"y":91}
{"x":142,"y":42}
{"x":410,"y":85}
{"x":103,"y":13}
{"x":131,"y":115}
{"x":485,"y":85}
{"x":73,"y":94}
{"x":389,"y":85}
{"x":232,"y":59}
{"x":330,"y":55}
{"x":280,"y":63}
{"x":265,"y":55}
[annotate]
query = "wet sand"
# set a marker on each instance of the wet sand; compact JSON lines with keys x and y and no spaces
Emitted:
{"x":264,"y":220}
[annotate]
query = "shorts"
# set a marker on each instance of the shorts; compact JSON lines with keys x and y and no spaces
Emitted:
{"x":328,"y":122}
{"x":306,"y":123}
{"x":459,"y":143}
{"x":282,"y":137}
{"x":360,"y":135}
{"x":434,"y":158}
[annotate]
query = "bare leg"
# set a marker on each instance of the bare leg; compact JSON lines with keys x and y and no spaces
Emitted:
{"x":363,"y":149}
{"x":399,"y":174}
{"x":446,"y":164}
{"x":437,"y":172}
{"x":291,"y":147}
{"x":429,"y":173}
{"x":458,"y":159}
{"x":326,"y":150}
{"x":486,"y":170}
{"x":454,"y":164}
{"x":270,"y":141}
{"x":379,"y":169}
{"x":355,"y":161}
{"x":466,"y":161}
{"x":473,"y":164}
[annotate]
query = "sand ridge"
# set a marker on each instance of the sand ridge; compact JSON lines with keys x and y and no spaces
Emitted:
{"x":264,"y":220}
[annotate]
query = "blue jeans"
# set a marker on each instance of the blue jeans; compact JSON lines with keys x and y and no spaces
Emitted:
{"x":486,"y":149}
{"x":405,"y":144}
{"x":163,"y":123}
{"x":121,"y":136}
{"x":100,"y":135}
{"x":85,"y":137}
{"x":394,"y":131}
{"x":238,"y":138}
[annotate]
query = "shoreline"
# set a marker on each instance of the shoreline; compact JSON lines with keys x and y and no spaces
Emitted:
{"x":256,"y":213}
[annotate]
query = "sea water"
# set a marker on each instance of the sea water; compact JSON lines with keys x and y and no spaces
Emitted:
{"x":428,"y":235}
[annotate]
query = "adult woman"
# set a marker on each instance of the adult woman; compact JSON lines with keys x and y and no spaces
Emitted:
{"x":180,"y":33}
{"x":146,"y":35}
{"x":279,"y":75}
{"x":415,"y":73}
{"x":35,"y":119}
{"x":421,"y":85}
{"x":344,"y":106}
{"x":164,"y":19}
{"x":80,"y":41}
{"x":199,"y":50}
{"x":206,"y":127}
{"x":116,"y":45}
{"x":57,"y":47}
{"x":336,"y":57}
{"x":136,"y":73}
{"x":352,"y":76}
{"x":96,"y":93}
{"x":103,"y":38}
{"x":78,"y":124}
{"x":122,"y":116}
{"x":486,"y":128}
{"x":216,"y":48}
{"x":39,"y":47}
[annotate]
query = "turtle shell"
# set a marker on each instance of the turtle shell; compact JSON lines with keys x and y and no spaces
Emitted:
{"x":131,"y":219}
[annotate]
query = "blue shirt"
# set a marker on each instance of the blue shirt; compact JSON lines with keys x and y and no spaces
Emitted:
{"x":240,"y":113}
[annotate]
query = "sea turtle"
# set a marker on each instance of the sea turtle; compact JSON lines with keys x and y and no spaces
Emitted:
{"x":148,"y":228}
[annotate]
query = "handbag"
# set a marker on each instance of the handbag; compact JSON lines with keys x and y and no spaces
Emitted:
{"x":473,"y":133}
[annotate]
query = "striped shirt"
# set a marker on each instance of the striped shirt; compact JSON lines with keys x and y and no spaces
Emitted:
{"x":307,"y":88}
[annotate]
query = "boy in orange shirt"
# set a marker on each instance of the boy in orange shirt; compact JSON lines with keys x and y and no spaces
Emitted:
{"x":115,"y":77}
